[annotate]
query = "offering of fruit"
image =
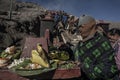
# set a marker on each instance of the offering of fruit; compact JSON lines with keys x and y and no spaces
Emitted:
{"x":34,"y":65}
{"x":39,"y":57}
{"x":8,"y":55}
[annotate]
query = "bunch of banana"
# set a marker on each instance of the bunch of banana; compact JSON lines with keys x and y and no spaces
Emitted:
{"x":38,"y":56}
{"x":60,"y":55}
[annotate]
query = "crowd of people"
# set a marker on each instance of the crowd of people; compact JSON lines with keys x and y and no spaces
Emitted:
{"x":61,"y":17}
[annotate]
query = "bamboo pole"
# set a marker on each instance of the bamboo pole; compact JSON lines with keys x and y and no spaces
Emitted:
{"x":11,"y":5}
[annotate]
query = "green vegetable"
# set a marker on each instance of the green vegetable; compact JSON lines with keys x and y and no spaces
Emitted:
{"x":53,"y":54}
{"x":4,"y":55}
{"x":60,"y":55}
{"x":67,"y":66}
{"x":16,"y":55}
{"x":63,"y":55}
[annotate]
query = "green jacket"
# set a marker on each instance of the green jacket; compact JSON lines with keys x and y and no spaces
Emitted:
{"x":97,"y":58}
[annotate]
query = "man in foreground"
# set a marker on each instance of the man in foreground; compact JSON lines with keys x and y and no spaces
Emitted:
{"x":95,"y":52}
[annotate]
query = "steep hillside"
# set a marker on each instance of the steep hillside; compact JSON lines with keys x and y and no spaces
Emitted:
{"x":24,"y":21}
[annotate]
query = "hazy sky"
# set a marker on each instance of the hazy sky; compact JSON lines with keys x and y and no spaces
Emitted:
{"x":100,"y":9}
